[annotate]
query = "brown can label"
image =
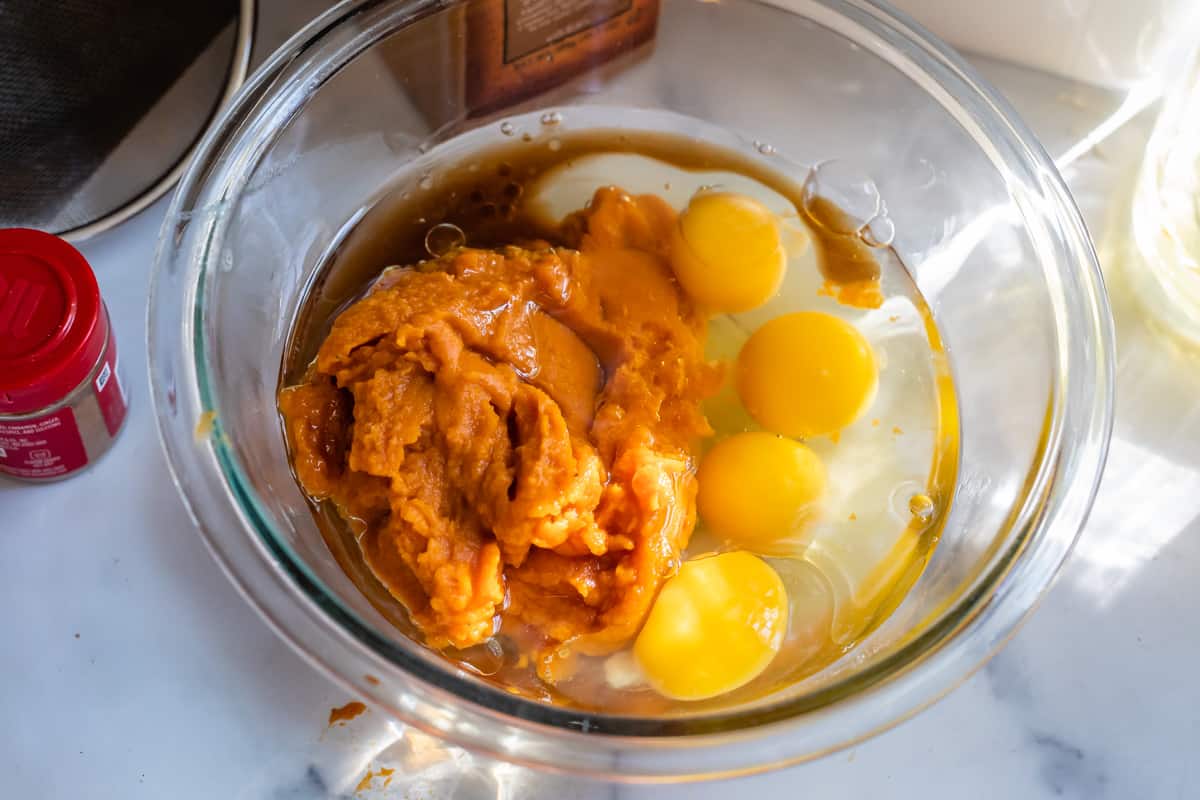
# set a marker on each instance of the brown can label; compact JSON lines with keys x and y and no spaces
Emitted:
{"x":530,"y":25}
{"x":519,"y":48}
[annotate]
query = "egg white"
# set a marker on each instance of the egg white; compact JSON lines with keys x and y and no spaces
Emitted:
{"x":862,"y":537}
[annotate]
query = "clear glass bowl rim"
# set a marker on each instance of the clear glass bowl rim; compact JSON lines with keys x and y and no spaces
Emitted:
{"x":1044,"y":523}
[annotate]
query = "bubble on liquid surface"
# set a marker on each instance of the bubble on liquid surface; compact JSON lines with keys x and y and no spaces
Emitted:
{"x":879,"y":232}
{"x":485,"y":659}
{"x":849,"y":189}
{"x":426,"y":181}
{"x":898,"y":502}
{"x":507,"y":128}
{"x":551,"y":118}
{"x":764,"y":148}
{"x":922,"y":507}
{"x":442,"y":238}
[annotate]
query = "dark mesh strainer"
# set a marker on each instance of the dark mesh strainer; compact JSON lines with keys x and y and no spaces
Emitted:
{"x":102,"y":100}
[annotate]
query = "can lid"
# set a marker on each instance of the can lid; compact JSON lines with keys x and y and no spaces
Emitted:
{"x":52,"y":322}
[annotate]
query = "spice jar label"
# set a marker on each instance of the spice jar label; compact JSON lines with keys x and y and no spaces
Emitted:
{"x":61,"y":400}
{"x":43,"y":447}
{"x":109,"y":394}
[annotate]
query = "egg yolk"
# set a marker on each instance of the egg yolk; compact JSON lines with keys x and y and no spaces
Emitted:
{"x":727,"y":252}
{"x":806,"y":374}
{"x":714,"y":627}
{"x":757,"y":489}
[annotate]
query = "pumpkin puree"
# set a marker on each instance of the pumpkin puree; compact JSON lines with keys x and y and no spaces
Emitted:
{"x":513,"y":431}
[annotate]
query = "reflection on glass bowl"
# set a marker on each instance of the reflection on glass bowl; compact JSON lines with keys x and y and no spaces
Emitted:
{"x":978,"y":216}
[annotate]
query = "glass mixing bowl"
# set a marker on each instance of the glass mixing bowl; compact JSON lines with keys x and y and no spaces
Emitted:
{"x":982,"y":220}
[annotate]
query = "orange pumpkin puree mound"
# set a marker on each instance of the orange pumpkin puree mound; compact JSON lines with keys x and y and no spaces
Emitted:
{"x":513,"y":430}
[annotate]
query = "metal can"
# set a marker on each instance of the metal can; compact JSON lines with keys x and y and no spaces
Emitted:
{"x":61,"y":400}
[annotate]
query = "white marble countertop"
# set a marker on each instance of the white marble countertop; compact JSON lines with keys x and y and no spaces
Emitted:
{"x":130,"y":668}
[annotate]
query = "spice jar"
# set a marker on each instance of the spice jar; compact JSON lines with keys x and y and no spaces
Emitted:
{"x":61,"y":402}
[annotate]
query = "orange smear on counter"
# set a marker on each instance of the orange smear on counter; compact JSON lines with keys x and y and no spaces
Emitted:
{"x":365,"y":783}
{"x":345,"y":713}
{"x":204,"y":425}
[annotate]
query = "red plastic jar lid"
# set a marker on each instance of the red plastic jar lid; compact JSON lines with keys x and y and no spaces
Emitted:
{"x":53,"y":326}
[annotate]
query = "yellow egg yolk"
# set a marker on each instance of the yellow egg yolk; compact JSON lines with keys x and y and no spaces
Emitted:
{"x":806,"y":374}
{"x":714,"y":627}
{"x":758,"y":489}
{"x":727,"y":252}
